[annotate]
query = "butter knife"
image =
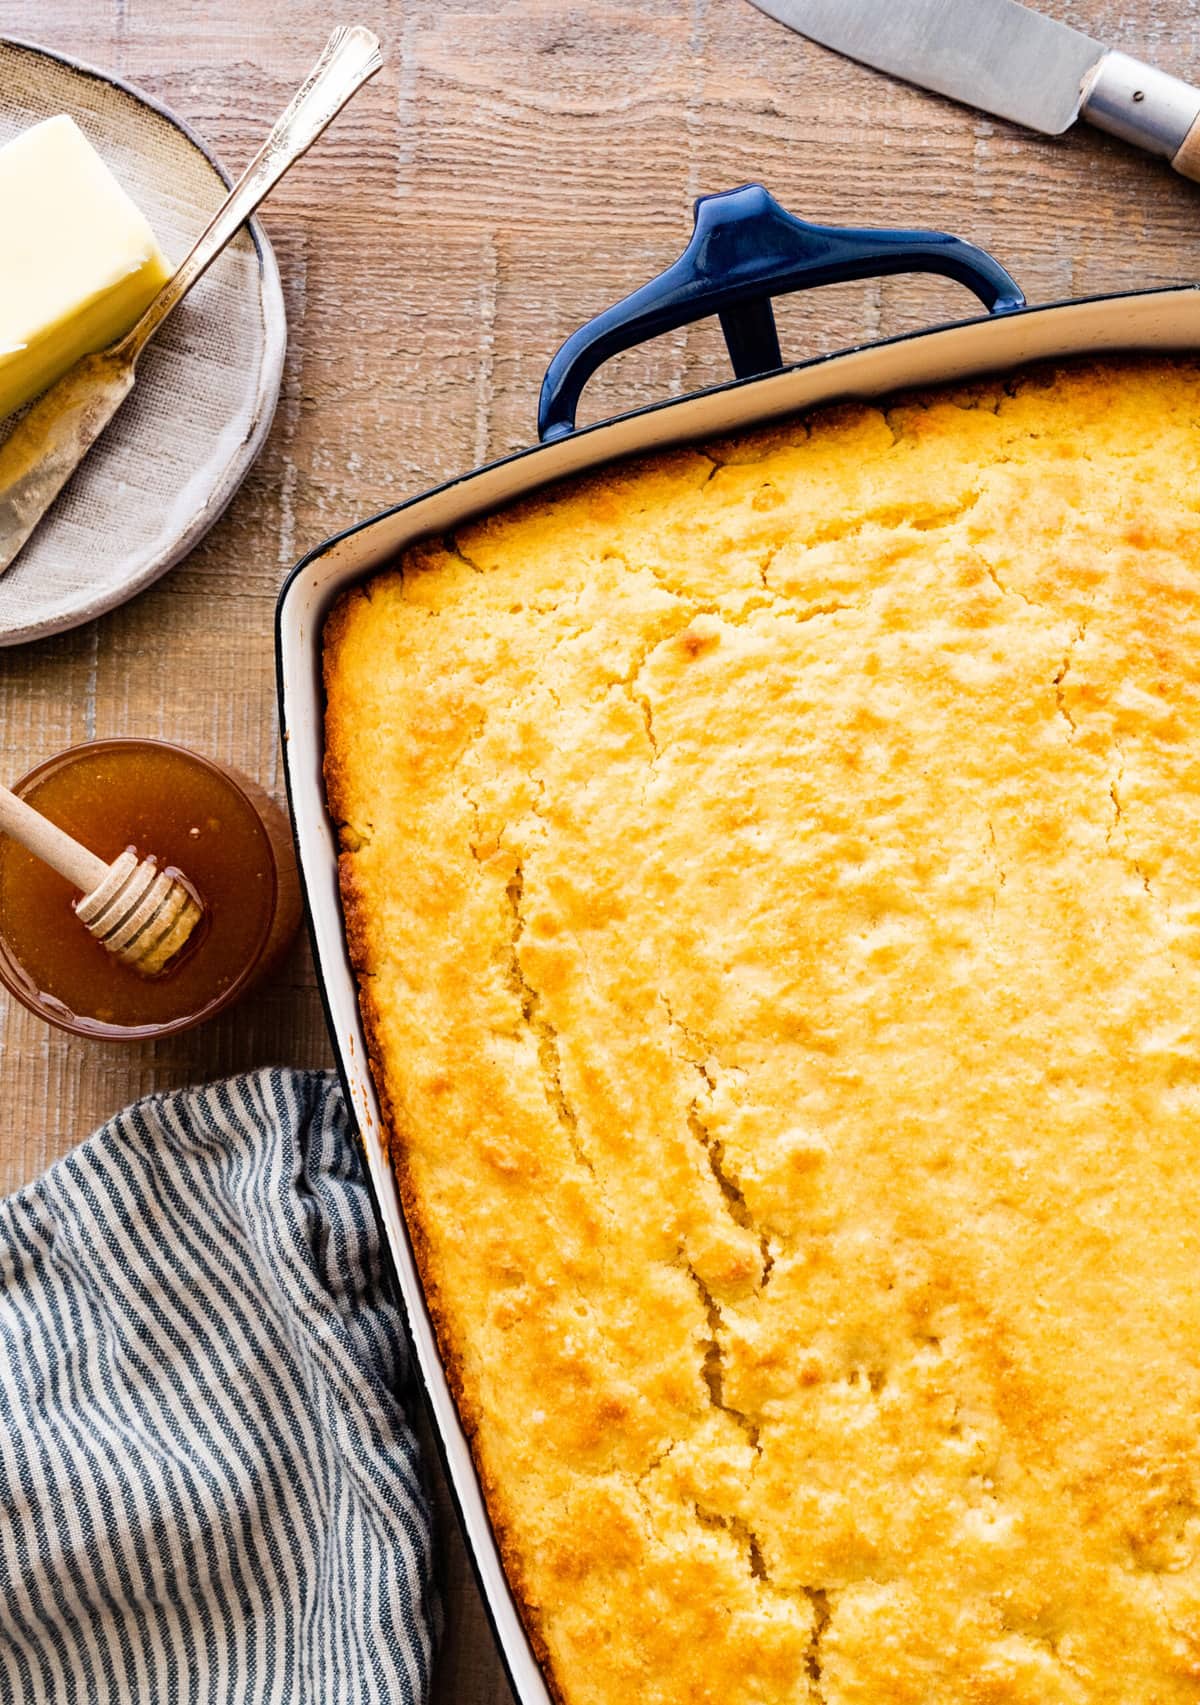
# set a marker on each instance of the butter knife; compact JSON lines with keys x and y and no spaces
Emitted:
{"x":1009,"y":60}
{"x":54,"y":434}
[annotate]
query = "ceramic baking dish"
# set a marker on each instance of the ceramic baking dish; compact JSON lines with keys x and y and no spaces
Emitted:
{"x":745,"y":250}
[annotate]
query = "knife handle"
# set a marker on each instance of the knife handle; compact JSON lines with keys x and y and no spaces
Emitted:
{"x":1147,"y":107}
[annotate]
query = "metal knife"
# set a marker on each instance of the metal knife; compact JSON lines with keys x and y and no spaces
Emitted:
{"x":1012,"y":61}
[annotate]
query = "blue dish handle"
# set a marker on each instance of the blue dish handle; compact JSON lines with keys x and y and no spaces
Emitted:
{"x":745,"y":249}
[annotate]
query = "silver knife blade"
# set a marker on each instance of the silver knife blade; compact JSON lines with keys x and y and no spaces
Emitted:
{"x":993,"y":54}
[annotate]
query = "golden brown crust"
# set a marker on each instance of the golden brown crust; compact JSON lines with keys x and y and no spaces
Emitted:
{"x":771,"y":872}
{"x":355,"y":909}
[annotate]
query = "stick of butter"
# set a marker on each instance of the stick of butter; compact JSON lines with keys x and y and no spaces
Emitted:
{"x":78,"y":261}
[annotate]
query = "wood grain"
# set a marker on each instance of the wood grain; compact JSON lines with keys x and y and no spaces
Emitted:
{"x":518,"y":165}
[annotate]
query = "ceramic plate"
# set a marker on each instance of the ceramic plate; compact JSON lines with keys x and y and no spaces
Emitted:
{"x":206,"y":388}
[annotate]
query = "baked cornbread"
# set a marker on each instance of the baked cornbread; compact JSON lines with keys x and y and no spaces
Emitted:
{"x":773,"y":872}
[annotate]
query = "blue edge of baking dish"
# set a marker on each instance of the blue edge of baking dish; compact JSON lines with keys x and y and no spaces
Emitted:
{"x":745,"y":249}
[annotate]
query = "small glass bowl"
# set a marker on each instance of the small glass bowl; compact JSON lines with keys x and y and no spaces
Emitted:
{"x":265,"y":829}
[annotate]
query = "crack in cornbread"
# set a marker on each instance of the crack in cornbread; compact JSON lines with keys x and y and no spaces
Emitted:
{"x":772,"y":875}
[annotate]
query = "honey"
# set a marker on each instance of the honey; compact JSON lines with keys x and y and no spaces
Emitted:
{"x":190,"y":815}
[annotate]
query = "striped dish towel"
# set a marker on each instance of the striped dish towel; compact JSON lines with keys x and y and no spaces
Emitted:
{"x":208,"y":1487}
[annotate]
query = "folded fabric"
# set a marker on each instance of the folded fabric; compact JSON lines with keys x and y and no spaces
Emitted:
{"x":208,"y":1487}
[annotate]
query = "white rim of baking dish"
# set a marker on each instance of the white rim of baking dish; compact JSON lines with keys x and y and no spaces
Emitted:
{"x":270,"y":380}
{"x":1138,"y":322}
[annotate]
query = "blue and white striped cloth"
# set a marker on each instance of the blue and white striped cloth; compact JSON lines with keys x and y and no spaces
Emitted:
{"x":208,"y":1487}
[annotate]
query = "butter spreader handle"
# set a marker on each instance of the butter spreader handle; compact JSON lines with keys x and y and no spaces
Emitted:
{"x":350,"y":57}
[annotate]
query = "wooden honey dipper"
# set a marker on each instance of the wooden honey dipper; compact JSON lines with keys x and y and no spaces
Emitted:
{"x":141,"y":914}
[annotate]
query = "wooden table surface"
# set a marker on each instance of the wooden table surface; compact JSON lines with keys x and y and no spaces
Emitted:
{"x":516,"y":166}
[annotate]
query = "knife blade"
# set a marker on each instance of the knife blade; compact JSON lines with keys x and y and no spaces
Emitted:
{"x":1009,"y":60}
